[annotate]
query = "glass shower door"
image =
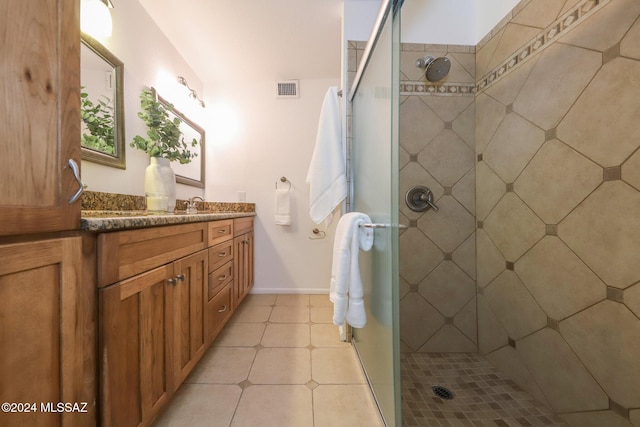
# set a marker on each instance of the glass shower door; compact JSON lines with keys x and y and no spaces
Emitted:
{"x":375,"y":170}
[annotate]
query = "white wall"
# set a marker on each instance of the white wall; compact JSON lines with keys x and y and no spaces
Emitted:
{"x":262,"y":139}
{"x":149,"y":60}
{"x":278,"y":137}
{"x":463,"y":22}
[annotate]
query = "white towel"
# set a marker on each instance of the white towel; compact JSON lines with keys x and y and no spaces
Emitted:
{"x":283,"y":207}
{"x":327,"y":172}
{"x":346,"y":290}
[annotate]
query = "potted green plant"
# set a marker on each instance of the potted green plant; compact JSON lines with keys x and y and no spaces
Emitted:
{"x":164,"y":143}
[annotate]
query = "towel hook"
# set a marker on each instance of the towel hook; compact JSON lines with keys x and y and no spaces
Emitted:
{"x":284,"y":179}
{"x":319,"y":234}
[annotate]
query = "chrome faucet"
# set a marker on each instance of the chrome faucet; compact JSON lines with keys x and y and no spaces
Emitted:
{"x":191,"y":204}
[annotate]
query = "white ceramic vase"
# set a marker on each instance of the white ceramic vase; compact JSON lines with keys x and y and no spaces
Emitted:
{"x":160,"y":185}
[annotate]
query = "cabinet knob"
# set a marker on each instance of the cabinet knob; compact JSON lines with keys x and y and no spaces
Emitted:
{"x":222,"y":231}
{"x":222,"y":254}
{"x":221,"y":278}
{"x":181,"y":277}
{"x":223,"y":309}
{"x":173,"y":281}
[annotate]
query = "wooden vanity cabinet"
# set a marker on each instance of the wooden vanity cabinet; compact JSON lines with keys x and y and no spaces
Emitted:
{"x":243,"y":249}
{"x":151,"y":322}
{"x":165,"y":293}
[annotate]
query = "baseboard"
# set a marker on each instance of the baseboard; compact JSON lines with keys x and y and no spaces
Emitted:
{"x":280,"y":291}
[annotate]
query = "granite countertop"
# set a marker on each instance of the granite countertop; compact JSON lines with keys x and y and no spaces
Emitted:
{"x":105,"y":220}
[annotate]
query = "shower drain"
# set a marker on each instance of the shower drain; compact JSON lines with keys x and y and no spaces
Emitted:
{"x":442,"y":392}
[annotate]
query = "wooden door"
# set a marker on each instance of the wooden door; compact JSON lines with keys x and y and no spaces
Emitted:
{"x":40,"y":115}
{"x":187,"y":303}
{"x":134,"y":349}
{"x":41,"y":361}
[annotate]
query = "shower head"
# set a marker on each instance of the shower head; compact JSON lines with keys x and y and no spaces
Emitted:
{"x":435,"y":69}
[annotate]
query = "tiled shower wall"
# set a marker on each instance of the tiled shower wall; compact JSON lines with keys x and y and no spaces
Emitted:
{"x":558,"y":205}
{"x":437,"y":251}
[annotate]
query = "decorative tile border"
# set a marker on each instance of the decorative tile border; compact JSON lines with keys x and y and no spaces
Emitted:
{"x":422,"y":88}
{"x":558,"y":28}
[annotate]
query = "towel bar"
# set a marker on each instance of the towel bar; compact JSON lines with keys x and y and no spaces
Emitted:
{"x":400,"y":226}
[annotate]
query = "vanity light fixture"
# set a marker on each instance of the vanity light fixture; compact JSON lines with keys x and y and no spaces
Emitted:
{"x":95,"y":17}
{"x":192,"y":93}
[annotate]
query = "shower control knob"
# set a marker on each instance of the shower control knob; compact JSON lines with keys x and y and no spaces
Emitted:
{"x":419,"y":199}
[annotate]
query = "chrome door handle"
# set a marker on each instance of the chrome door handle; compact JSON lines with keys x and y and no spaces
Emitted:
{"x":173,"y":281}
{"x":76,"y":174}
{"x":181,"y":277}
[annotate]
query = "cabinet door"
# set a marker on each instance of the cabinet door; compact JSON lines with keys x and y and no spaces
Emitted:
{"x":242,"y":267}
{"x":239,"y":261}
{"x":40,"y":331}
{"x":133,"y":348}
{"x":40,"y":115}
{"x":187,"y":300}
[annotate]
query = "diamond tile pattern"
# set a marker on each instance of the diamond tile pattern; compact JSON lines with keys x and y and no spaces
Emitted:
{"x":575,"y":112}
{"x":556,"y":180}
{"x":513,"y":227}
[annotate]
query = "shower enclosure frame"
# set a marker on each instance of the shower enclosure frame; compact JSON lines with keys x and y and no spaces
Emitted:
{"x":374,"y":189}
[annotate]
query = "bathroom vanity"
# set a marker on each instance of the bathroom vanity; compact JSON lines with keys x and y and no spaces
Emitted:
{"x":164,"y":294}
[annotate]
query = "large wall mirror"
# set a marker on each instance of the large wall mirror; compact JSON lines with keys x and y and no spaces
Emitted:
{"x":102,"y":104}
{"x":192,"y":173}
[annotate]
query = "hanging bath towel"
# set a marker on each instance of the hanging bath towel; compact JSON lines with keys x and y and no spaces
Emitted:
{"x":346,"y":290}
{"x":327,"y":172}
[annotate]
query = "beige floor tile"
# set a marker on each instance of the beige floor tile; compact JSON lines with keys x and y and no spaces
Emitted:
{"x":320,"y":300}
{"x":252,"y":313}
{"x":259,"y":299}
{"x":326,"y":335}
{"x":223,"y":365}
{"x":293,"y":300}
{"x":336,"y":366}
{"x":344,"y":405}
{"x":281,"y":366}
{"x":286,"y":314}
{"x":322,"y":314}
{"x":286,"y":335}
{"x":201,"y":405}
{"x":275,"y":406}
{"x":240,"y":334}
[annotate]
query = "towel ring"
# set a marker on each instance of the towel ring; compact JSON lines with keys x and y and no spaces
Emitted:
{"x":284,"y":179}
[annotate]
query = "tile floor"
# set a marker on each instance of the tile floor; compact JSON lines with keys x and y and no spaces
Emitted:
{"x":483,"y":396}
{"x":278,"y":362}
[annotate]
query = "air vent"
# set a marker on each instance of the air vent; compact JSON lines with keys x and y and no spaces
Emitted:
{"x":288,"y":89}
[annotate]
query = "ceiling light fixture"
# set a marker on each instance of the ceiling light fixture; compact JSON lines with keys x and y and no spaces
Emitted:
{"x":192,"y":93}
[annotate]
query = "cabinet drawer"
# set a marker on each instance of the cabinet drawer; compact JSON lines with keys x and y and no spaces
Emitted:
{"x":124,"y":254}
{"x":220,"y":231}
{"x":242,"y":225}
{"x":218,"y":313}
{"x":219,"y":278}
{"x":220,"y":254}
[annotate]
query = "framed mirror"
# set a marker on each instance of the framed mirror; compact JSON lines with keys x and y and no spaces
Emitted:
{"x":102,"y":104}
{"x":192,"y":173}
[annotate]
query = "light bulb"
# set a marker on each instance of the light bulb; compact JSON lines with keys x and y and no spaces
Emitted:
{"x":95,"y":18}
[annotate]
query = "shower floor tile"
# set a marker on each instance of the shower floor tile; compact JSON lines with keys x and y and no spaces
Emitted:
{"x":483,"y":397}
